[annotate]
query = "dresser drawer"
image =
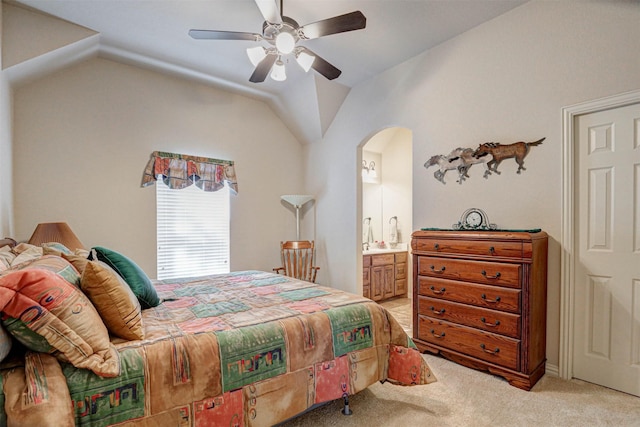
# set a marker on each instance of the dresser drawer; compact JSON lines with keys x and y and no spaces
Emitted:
{"x":493,"y":273}
{"x":382,"y":259}
{"x":471,"y":247}
{"x":486,"y":346}
{"x":482,"y":318}
{"x":493,"y":297}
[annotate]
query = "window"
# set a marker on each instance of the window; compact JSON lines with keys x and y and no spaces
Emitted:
{"x":192,"y":231}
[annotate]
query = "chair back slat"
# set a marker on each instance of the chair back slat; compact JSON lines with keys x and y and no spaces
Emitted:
{"x":298,"y":259}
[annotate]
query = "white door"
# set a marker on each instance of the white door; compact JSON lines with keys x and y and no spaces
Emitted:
{"x":606,"y":347}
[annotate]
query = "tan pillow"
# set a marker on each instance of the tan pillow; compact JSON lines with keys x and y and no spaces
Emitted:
{"x":82,"y":252}
{"x":114,"y":300}
{"x":54,"y":248}
{"x":79,"y":262}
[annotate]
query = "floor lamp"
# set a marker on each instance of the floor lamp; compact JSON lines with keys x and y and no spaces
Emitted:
{"x":297,"y":201}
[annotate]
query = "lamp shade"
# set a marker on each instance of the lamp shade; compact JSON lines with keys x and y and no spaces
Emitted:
{"x":297,"y":200}
{"x":256,"y":54}
{"x":59,"y":232}
{"x":278,"y":72}
{"x":305,"y":60}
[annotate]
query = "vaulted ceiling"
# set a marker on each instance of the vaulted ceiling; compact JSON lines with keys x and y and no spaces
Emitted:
{"x":154,"y":33}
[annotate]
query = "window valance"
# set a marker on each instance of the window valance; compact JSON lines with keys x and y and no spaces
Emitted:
{"x":179,"y":171}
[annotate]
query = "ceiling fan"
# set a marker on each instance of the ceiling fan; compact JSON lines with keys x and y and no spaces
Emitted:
{"x":283,"y":34}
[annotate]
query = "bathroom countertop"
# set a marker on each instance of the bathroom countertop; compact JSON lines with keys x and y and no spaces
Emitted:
{"x":402,"y":247}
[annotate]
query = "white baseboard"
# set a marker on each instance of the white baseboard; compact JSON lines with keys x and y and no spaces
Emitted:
{"x":552,"y":370}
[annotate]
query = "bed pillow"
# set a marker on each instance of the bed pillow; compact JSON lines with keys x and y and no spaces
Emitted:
{"x":57,"y":265}
{"x":114,"y":300}
{"x":78,"y":262}
{"x":26,"y":252}
{"x":137,"y":280}
{"x":45,"y":312}
{"x":55,"y":248}
{"x":6,"y":257}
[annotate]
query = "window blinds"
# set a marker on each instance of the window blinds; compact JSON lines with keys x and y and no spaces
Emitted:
{"x":192,"y":231}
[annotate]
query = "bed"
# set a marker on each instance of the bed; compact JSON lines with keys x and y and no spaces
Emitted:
{"x":249,"y":348}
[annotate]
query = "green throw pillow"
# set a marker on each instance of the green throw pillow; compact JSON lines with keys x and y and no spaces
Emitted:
{"x":137,"y":280}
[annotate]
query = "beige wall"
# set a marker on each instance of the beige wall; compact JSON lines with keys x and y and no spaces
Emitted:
{"x":82,"y":138}
{"x":6,"y":190}
{"x":6,"y":198}
{"x":34,"y":34}
{"x":506,"y":80}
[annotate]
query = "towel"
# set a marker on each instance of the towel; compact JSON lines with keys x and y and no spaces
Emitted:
{"x":393,"y":230}
{"x":367,"y":235}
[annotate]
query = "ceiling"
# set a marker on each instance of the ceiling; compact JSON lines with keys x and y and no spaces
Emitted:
{"x":155,"y":32}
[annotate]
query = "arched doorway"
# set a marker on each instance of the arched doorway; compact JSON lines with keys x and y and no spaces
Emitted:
{"x":387,"y":209}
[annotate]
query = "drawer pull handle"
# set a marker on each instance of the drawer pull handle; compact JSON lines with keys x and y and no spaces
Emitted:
{"x":496,"y":351}
{"x":441,"y":291}
{"x":440,"y":312}
{"x":484,"y":297}
{"x":436,"y":246}
{"x":492,"y":250}
{"x":493,"y":325}
{"x":484,"y":273}
{"x":433,"y":268}
{"x":433,"y":332}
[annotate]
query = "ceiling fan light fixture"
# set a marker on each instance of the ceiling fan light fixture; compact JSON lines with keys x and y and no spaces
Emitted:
{"x":283,"y":33}
{"x":278,"y":72}
{"x":285,"y":42}
{"x":256,"y":54}
{"x":305,"y":60}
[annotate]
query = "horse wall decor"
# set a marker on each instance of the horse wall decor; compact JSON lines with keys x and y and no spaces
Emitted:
{"x":460,"y":159}
{"x":499,"y":152}
{"x":490,"y":154}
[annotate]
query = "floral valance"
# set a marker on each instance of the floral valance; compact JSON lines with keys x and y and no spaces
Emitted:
{"x":179,"y":171}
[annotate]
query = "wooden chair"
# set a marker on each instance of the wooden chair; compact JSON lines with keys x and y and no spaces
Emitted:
{"x":298,"y":258}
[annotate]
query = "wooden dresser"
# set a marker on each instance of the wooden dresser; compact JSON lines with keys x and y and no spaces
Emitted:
{"x":479,"y":299}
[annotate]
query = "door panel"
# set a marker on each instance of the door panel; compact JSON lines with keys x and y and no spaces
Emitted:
{"x":606,"y":347}
{"x":377,"y":283}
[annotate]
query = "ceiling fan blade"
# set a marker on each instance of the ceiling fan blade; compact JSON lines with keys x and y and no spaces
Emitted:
{"x":338,"y":24}
{"x":262,"y":70}
{"x":269,"y":9}
{"x":322,"y":66}
{"x":223,"y":35}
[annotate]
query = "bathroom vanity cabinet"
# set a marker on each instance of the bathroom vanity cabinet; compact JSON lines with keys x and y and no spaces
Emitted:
{"x":384,"y":275}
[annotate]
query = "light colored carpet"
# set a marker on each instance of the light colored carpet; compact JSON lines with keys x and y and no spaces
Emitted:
{"x":466,"y":397}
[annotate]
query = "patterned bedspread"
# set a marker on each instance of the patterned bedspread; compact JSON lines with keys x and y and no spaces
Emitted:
{"x":247,"y":349}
